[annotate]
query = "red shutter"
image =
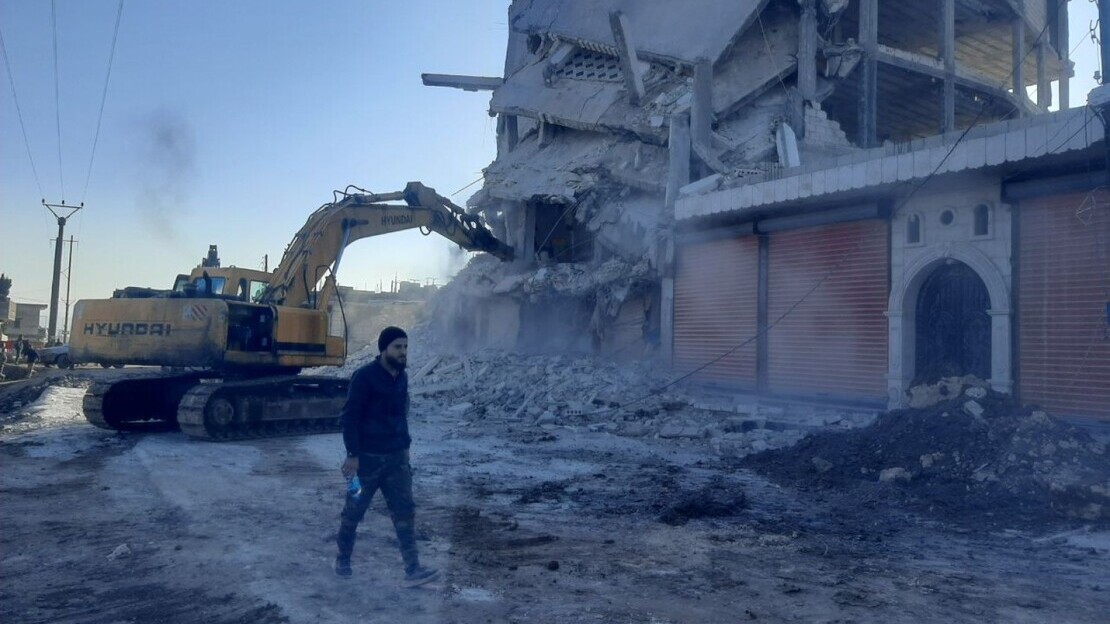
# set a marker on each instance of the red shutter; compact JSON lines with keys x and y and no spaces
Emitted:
{"x":1063,"y":294}
{"x":835,"y":342}
{"x":715,"y":304}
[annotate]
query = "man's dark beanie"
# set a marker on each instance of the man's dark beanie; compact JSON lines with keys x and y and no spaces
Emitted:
{"x":388,"y":335}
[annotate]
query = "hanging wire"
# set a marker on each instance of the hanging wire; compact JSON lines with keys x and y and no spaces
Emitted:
{"x":57,"y":97}
{"x":103,"y":98}
{"x":19,"y":113}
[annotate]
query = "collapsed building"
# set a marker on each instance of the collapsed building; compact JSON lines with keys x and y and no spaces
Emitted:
{"x":680,"y":178}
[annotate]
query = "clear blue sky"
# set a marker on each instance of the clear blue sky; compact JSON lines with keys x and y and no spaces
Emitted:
{"x":228,"y":122}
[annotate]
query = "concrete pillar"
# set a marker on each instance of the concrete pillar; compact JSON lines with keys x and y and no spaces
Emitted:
{"x":1002,"y":376}
{"x":807,"y":51}
{"x":1063,"y":46}
{"x":948,"y":55}
{"x":1018,"y":48}
{"x":701,"y":113}
{"x":869,"y":72}
{"x":1044,"y":88}
{"x":678,"y":146}
{"x":666,"y":321}
{"x":897,"y":380}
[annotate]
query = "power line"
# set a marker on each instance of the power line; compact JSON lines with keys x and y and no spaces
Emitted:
{"x":103,"y":98}
{"x":19,"y":113}
{"x":57,"y":98}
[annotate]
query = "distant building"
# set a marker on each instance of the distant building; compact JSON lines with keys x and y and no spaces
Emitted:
{"x":22,"y":320}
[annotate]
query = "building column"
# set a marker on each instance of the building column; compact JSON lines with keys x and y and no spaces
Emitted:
{"x":869,"y":84}
{"x":1044,"y":87}
{"x":1002,"y":376}
{"x":807,"y":51}
{"x":1018,"y":62}
{"x":897,"y":376}
{"x":948,"y":55}
{"x":1063,"y":47}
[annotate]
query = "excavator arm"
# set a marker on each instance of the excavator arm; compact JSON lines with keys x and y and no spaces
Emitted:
{"x":317,"y":249}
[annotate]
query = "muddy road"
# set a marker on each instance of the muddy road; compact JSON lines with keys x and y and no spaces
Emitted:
{"x":529,"y":524}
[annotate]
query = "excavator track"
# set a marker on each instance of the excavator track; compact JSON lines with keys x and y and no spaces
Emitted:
{"x":262,"y":408}
{"x":138,"y":402}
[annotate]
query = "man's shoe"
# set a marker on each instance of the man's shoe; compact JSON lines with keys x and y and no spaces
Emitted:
{"x":420,"y":575}
{"x":342,"y":567}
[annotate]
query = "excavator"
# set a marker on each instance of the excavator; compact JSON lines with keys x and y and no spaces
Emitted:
{"x":231,"y":341}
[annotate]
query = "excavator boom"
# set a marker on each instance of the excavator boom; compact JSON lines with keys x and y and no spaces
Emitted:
{"x":318,"y":247}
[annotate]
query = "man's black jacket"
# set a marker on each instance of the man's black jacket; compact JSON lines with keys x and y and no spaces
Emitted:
{"x":375,"y":417}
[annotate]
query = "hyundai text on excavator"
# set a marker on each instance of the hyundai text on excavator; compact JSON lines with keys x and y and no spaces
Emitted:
{"x":232,"y":341}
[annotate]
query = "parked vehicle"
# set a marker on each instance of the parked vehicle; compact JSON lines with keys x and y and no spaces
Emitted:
{"x":57,"y":355}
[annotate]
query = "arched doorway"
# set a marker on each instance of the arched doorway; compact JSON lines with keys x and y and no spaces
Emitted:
{"x":953,"y":327}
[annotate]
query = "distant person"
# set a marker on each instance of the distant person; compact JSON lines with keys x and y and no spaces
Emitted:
{"x":18,"y":349}
{"x":376,"y":436}
{"x":32,"y":356}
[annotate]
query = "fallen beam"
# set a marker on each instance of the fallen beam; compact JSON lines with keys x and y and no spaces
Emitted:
{"x":466,"y":83}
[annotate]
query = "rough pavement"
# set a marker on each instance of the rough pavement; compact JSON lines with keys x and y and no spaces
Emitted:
{"x":530,"y":523}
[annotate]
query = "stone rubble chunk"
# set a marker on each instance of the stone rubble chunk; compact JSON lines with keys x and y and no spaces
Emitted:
{"x":119,"y":552}
{"x":897,"y":473}
{"x":976,"y":392}
{"x":975,"y":409}
{"x":821,"y":465}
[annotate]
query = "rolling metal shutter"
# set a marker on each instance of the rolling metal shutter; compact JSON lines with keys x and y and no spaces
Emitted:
{"x":1063,"y":299}
{"x":835,"y":342}
{"x":715,"y":305}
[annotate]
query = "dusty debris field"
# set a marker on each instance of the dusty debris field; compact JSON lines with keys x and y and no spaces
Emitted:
{"x":531,"y":522}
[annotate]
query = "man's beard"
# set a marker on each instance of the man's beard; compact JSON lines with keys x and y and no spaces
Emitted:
{"x":394,"y":363}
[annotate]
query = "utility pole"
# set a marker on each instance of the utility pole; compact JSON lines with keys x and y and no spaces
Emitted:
{"x":52,"y":327}
{"x":69,"y":276}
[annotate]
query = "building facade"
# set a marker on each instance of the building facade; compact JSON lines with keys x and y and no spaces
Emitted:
{"x":982,"y":253}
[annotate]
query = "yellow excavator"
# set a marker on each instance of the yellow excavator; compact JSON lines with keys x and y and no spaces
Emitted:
{"x":232,"y":341}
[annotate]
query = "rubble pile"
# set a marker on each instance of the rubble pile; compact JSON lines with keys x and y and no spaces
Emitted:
{"x":964,"y":452}
{"x":543,"y":390}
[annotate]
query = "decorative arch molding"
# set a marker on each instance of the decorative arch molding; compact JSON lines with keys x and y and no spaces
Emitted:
{"x":902,"y":323}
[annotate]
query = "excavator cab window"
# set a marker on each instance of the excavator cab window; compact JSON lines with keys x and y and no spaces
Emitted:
{"x":216,"y":283}
{"x":257,"y":288}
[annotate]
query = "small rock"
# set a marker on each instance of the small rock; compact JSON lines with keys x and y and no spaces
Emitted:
{"x":547,"y":418}
{"x":973,"y":408}
{"x":758,"y":446}
{"x":821,"y":465}
{"x":928,"y":460}
{"x":553,"y":565}
{"x":976,"y":392}
{"x":119,"y":552}
{"x":894,"y":474}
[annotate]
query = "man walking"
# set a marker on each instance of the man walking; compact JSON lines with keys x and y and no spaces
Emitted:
{"x":376,"y":434}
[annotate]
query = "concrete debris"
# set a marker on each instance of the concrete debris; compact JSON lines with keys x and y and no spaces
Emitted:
{"x":820,"y":465}
{"x":894,"y":474}
{"x":120,"y":552}
{"x":927,"y":395}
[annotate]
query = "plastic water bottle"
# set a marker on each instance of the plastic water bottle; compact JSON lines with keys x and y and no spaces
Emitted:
{"x":354,"y":487}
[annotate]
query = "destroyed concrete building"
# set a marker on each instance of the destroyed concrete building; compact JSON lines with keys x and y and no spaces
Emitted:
{"x":608,"y":112}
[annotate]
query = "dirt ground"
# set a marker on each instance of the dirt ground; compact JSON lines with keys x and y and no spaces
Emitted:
{"x":556,"y":524}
